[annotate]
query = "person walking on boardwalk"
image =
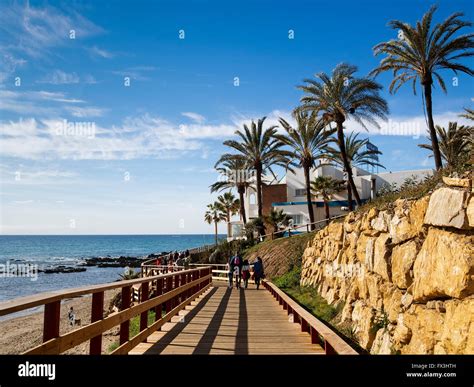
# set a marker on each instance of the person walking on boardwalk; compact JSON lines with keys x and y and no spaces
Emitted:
{"x":238,"y":263}
{"x":230,"y":268}
{"x":258,"y":273}
{"x":246,"y":273}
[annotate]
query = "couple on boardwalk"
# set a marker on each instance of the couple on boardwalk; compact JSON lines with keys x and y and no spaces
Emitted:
{"x":240,"y":270}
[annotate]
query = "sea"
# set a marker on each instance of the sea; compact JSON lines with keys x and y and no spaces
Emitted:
{"x":54,"y":250}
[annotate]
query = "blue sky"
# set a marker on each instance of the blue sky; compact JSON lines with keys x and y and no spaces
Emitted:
{"x":143,"y":161}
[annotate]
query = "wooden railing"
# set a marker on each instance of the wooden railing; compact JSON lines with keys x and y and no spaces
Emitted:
{"x":320,"y":333}
{"x":150,"y":270}
{"x":220,"y":271}
{"x":304,"y":227}
{"x":169,"y":293}
{"x":194,"y":250}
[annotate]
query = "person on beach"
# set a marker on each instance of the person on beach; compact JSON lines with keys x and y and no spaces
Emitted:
{"x":246,"y":273}
{"x":186,"y":253}
{"x":258,"y":273}
{"x":71,"y":316}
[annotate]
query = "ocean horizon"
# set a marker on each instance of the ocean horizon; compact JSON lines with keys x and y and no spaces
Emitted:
{"x":72,"y":250}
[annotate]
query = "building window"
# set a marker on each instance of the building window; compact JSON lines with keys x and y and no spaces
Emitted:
{"x":300,"y":192}
{"x":297,"y":219}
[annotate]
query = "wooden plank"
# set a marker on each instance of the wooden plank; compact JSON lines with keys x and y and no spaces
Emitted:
{"x":137,"y":339}
{"x":232,"y":322}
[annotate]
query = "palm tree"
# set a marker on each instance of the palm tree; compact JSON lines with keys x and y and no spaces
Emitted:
{"x":308,"y":143}
{"x":420,"y":55}
{"x":468,"y":114}
{"x":326,"y":187}
{"x":229,"y":205}
{"x":356,"y":155}
{"x":214,"y":215}
{"x":454,"y":143}
{"x":277,"y":219}
{"x":260,"y":150}
{"x":236,"y":176}
{"x":341,"y":96}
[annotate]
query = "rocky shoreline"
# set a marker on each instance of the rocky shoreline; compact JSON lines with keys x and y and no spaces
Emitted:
{"x":100,"y":262}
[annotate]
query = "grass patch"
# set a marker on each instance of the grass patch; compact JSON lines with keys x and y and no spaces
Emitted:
{"x":295,"y":240}
{"x":306,"y":296}
{"x":134,"y":329}
{"x":314,"y":303}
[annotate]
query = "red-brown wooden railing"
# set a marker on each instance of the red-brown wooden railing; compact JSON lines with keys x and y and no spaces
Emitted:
{"x":320,"y":333}
{"x":171,"y":292}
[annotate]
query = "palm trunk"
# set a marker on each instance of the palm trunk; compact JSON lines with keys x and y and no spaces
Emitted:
{"x":347,"y":167}
{"x":349,"y":197}
{"x":228,"y":223}
{"x":242,"y":206}
{"x":431,"y":126}
{"x":308,"y":196}
{"x":215,"y":230}
{"x":326,"y":208}
{"x":259,"y":192}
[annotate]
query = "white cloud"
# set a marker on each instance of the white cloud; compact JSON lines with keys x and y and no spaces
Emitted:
{"x":136,"y":137}
{"x":89,"y":79}
{"x":22,"y":202}
{"x":144,"y":136}
{"x":136,"y":72}
{"x":35,"y":30}
{"x":21,"y":175}
{"x":194,"y":116}
{"x":81,"y":112}
{"x":39,"y":103}
{"x":96,"y":51}
{"x":413,"y":126}
{"x":59,"y":77}
{"x":9,"y":63}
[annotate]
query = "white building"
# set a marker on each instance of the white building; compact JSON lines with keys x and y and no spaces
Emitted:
{"x":289,"y":193}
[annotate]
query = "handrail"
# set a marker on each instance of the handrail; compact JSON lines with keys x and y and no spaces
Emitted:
{"x":191,"y":251}
{"x":159,"y":269}
{"x":169,"y":292}
{"x":306,"y":225}
{"x":333,"y":344}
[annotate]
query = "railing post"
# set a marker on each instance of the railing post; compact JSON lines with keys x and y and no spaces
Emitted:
{"x":304,"y":325}
{"x":184,"y":281}
{"x":166,"y":289}
{"x":97,"y":314}
{"x":314,"y":336}
{"x":188,"y":279}
{"x":51,"y":320}
{"x":329,"y":349}
{"x":144,"y":315}
{"x":159,"y":292}
{"x":125,"y":326}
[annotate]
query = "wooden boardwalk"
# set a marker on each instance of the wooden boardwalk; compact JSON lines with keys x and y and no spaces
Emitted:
{"x":230,"y":321}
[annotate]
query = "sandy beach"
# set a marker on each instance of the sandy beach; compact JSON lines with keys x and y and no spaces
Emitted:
{"x":20,"y":334}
